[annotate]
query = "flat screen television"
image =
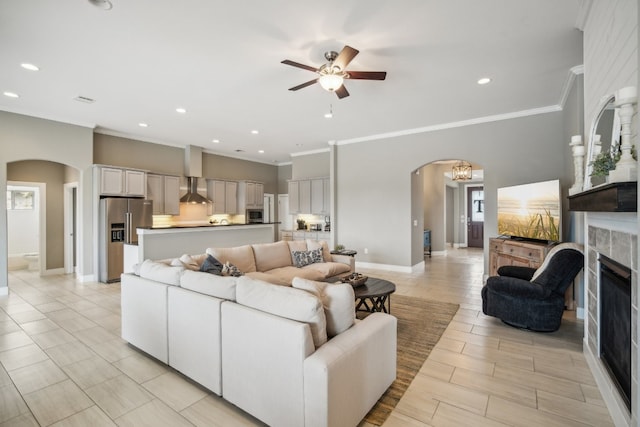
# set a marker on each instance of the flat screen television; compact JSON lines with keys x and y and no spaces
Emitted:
{"x":531,"y":211}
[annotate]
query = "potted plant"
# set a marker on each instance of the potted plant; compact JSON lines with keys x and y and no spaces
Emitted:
{"x":602,"y":164}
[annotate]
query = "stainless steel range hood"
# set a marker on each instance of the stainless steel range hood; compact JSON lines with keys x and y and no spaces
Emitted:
{"x":193,"y":170}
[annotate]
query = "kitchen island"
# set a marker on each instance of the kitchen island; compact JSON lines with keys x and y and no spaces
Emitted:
{"x":171,"y":242}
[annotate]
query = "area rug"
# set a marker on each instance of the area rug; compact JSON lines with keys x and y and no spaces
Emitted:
{"x":420,"y":325}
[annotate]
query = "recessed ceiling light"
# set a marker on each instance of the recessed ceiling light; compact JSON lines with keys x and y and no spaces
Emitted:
{"x":143,"y":125}
{"x":484,"y":81}
{"x":181,"y":110}
{"x":29,"y":67}
{"x":215,"y":141}
{"x":11,"y":95}
{"x":328,"y":115}
{"x":255,"y":132}
{"x":261,"y":151}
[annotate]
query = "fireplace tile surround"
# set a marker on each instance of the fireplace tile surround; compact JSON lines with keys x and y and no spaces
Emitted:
{"x":615,"y":236}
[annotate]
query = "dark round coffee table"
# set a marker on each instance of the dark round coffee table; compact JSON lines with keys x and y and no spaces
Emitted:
{"x":374,"y":295}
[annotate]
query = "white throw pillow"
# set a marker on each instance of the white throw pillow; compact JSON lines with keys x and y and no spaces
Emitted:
{"x":285,"y":302}
{"x":337,"y":299}
{"x":161,"y":272}
{"x":320,"y":244}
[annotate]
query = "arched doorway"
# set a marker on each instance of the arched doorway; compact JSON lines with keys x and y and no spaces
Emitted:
{"x":55,"y":180}
{"x":448,"y":206}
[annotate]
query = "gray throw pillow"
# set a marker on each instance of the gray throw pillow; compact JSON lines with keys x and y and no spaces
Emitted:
{"x":212,"y":265}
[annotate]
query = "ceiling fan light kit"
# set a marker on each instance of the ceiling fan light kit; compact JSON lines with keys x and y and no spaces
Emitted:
{"x":332,"y":74}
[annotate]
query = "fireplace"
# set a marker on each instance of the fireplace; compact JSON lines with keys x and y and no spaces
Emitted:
{"x":615,"y":324}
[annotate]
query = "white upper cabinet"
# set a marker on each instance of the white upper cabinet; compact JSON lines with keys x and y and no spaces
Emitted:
{"x":122,"y":182}
{"x":309,"y":196}
{"x":224,"y":196}
{"x":164,"y":190}
{"x":250,"y":195}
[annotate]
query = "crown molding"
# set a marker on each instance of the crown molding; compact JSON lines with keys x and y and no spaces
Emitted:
{"x":452,"y":125}
{"x":568,"y":84}
{"x":306,"y":153}
{"x":44,"y":116}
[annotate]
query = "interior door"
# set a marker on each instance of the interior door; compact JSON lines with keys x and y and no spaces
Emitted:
{"x":475,"y":216}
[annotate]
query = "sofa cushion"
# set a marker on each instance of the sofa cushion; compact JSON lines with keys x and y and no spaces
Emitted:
{"x":288,"y":273}
{"x":320,"y":244}
{"x":286,"y":302}
{"x":185,"y":261}
{"x":212,"y":265}
{"x":209,"y":284}
{"x":270,"y":278}
{"x":271,"y":255}
{"x":161,"y":272}
{"x":338,"y":301}
{"x":302,"y":258}
{"x":240,"y":256}
{"x":327,"y":269}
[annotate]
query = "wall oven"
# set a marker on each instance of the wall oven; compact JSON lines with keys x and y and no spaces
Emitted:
{"x":254,"y":216}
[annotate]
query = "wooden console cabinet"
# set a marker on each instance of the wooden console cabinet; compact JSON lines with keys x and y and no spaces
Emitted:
{"x":516,"y":252}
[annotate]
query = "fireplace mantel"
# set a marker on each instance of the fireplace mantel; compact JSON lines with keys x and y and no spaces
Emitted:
{"x":614,"y":197}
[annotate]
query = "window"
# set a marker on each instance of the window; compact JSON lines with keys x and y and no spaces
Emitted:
{"x":19,"y":200}
{"x":477,"y":200}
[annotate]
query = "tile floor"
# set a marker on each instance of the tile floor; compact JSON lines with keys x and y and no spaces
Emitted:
{"x":62,"y":363}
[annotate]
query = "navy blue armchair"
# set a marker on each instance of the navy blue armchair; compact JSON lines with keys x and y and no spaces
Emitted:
{"x":533,"y":299}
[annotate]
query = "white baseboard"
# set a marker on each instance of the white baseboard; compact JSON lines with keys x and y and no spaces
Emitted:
{"x":87,"y":278}
{"x":617,"y":409}
{"x":4,"y":290}
{"x":580,"y":313}
{"x":53,"y":271}
{"x":387,"y":267}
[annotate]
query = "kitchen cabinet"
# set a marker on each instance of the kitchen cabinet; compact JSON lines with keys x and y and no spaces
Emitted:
{"x":164,"y":190}
{"x":300,"y":197}
{"x":294,"y":197}
{"x":121,"y":182}
{"x":250,"y":195}
{"x":320,"y":196}
{"x":286,"y":235}
{"x":224,"y":196}
{"x":309,"y":196}
{"x":515,"y":252}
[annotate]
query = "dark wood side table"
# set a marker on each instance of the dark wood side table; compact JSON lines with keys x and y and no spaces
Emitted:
{"x":348,"y":252}
{"x":374,"y":295}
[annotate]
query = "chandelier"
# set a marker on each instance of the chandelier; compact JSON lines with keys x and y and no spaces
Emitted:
{"x":461,"y":171}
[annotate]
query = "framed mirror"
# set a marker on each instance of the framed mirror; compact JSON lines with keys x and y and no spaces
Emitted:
{"x":604,"y":135}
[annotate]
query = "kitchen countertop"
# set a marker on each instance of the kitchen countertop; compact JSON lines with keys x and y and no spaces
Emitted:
{"x":209,"y":225}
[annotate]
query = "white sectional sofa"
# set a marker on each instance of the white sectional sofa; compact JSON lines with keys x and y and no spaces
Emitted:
{"x":290,"y":356}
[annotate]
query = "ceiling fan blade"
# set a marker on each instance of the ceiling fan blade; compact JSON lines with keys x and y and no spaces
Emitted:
{"x":299,"y":65}
{"x":303,"y":85}
{"x":346,"y":55}
{"x":367,"y":75}
{"x":342,"y":92}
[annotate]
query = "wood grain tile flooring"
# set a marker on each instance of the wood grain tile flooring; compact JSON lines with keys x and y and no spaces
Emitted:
{"x":62,"y":362}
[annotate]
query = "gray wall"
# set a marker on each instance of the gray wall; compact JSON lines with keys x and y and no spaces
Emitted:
{"x":284,"y":175}
{"x":375,"y":199}
{"x":29,"y":138}
{"x":311,"y":165}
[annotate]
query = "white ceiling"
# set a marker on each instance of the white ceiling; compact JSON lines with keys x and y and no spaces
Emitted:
{"x":221,"y":61}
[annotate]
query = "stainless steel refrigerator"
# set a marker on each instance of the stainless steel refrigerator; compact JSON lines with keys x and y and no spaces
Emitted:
{"x":119,"y":218}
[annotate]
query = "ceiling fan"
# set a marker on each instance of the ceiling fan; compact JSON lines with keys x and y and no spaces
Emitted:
{"x":333,"y":73}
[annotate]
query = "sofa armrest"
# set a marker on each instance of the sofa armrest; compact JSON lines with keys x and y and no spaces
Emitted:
{"x":345,"y":377}
{"x":345,"y":259}
{"x":262,"y":364}
{"x":517,"y":271}
{"x":144,"y":315}
{"x":517,"y":288}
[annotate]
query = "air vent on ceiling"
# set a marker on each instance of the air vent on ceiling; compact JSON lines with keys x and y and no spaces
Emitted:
{"x":239,"y":151}
{"x":84,"y":99}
